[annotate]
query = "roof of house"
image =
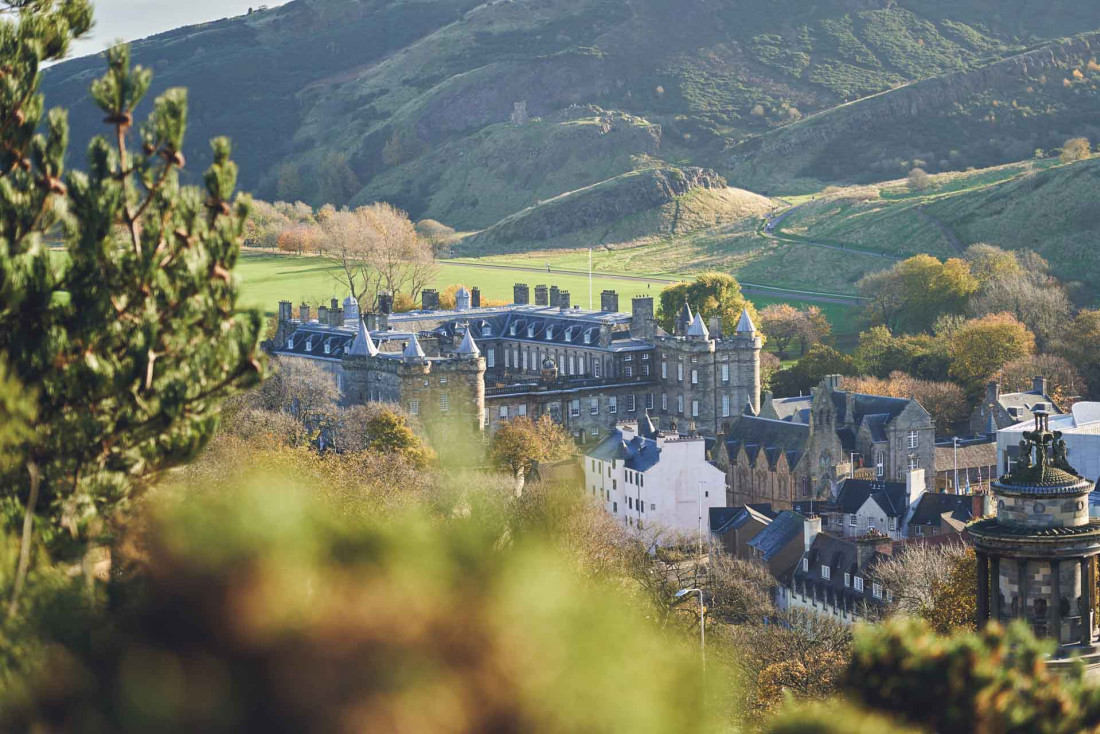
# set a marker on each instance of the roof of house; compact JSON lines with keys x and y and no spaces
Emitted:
{"x":364,"y":345}
{"x":934,"y":509}
{"x":1022,"y":405}
{"x":854,"y":493}
{"x":698,"y":328}
{"x":867,"y":405}
{"x":785,"y":528}
{"x":745,"y":324}
{"x":842,"y":556}
{"x":638,"y":454}
{"x":725,"y":519}
{"x":974,"y":455}
{"x":772,"y":437}
{"x":793,"y":409}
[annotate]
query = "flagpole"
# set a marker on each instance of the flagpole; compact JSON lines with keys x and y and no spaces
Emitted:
{"x":589,"y":278}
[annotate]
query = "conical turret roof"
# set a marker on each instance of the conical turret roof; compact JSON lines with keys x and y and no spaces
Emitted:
{"x":364,"y":345}
{"x":468,"y":348}
{"x":412,"y":349}
{"x":698,"y":328}
{"x":745,"y":325}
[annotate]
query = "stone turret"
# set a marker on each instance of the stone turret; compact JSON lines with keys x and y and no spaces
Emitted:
{"x":351,"y":309}
{"x":462,"y":300}
{"x":1037,"y":556}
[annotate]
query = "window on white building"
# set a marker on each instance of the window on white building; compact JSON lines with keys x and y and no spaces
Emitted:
{"x":664,"y":401}
{"x":524,"y":360}
{"x":596,"y":365}
{"x":826,"y":572}
{"x":852,"y":520}
{"x":859,"y":583}
{"x":912,"y":439}
{"x":507,"y":357}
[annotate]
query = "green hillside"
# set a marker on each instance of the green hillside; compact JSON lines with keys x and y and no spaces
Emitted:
{"x":354,"y":100}
{"x":1043,"y":206}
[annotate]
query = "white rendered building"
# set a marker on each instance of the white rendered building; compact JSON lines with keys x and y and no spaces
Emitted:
{"x":649,"y":479}
{"x":1080,"y":430}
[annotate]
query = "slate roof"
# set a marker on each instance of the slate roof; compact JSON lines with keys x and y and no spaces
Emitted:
{"x":412,"y":349}
{"x":769,"y":436}
{"x":745,"y":324}
{"x":890,"y":496}
{"x":867,"y":405}
{"x":780,"y":532}
{"x":793,"y":409}
{"x":1022,"y":405}
{"x":319,"y":342}
{"x":842,"y":556}
{"x":540,"y":325}
{"x":468,"y":347}
{"x":639,"y":454}
{"x":364,"y":345}
{"x":935,"y":510}
{"x":876,"y":423}
{"x":698,"y":328}
{"x":725,"y":519}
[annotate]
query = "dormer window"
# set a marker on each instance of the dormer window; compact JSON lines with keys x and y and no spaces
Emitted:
{"x":309,"y":343}
{"x":486,"y":329}
{"x":530,"y":331}
{"x":569,"y":333}
{"x":328,"y":346}
{"x":549,"y":333}
{"x":588,"y":337}
{"x":514,"y":328}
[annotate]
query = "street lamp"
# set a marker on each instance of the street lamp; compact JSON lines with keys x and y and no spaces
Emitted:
{"x":702,"y":627}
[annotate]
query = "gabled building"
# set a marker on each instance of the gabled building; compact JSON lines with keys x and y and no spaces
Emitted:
{"x":864,"y":507}
{"x":651,"y":479}
{"x":765,"y":460}
{"x":935,"y":515}
{"x":890,"y":436}
{"x":836,"y":576}
{"x":1000,"y":410}
{"x":779,"y":545}
{"x":734,"y":527}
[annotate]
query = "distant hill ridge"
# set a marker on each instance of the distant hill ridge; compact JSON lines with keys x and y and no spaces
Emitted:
{"x":350,"y":101}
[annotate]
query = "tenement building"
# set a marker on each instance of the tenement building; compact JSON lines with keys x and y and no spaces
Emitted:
{"x":586,"y":369}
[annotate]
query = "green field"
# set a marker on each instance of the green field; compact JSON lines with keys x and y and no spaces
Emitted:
{"x":267,"y":279}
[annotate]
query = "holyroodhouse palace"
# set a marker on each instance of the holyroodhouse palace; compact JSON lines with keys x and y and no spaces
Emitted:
{"x":474,"y":367}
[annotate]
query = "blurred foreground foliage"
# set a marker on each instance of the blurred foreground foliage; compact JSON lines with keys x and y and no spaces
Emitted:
{"x":268,"y":609}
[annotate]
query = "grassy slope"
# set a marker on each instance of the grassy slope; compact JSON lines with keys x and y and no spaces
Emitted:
{"x":1043,"y":206}
{"x":267,"y":279}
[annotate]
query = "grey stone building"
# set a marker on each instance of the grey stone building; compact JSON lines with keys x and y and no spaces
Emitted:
{"x":889,"y":436}
{"x":999,"y":410}
{"x":484,"y":366}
